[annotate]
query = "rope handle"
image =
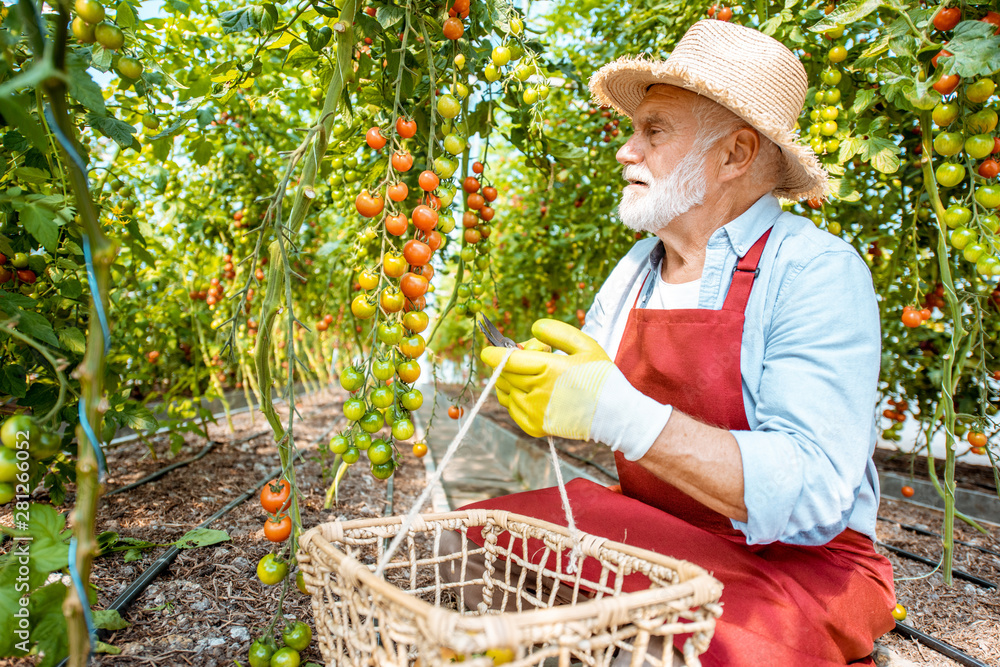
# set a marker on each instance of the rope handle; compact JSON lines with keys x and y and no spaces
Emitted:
{"x":576,"y":535}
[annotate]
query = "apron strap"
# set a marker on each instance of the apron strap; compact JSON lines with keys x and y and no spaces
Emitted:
{"x":743,"y":276}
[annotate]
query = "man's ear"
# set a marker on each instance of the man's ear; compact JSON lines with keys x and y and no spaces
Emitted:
{"x":740,"y":150}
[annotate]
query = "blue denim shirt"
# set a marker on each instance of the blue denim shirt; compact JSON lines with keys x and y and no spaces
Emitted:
{"x":810,"y":363}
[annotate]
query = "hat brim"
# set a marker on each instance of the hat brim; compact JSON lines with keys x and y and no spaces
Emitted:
{"x":624,"y":83}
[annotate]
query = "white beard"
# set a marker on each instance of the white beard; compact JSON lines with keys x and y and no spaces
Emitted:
{"x":667,"y":198}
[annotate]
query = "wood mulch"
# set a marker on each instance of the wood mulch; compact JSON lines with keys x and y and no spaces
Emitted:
{"x":962,"y":614}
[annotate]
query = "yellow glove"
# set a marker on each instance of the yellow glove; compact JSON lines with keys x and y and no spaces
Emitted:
{"x":579,"y":395}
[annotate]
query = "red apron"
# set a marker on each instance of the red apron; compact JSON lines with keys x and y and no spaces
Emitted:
{"x":782,"y":604}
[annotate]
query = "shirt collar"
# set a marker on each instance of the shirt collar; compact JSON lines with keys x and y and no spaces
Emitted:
{"x":742,"y":232}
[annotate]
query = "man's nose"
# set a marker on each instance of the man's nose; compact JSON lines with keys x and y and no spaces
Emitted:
{"x":628,"y":153}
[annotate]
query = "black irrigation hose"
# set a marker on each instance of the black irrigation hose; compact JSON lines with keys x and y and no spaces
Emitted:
{"x":180,"y":464}
{"x":960,"y":574}
{"x":128,"y":596}
{"x":924,"y":531}
{"x":938,"y":645}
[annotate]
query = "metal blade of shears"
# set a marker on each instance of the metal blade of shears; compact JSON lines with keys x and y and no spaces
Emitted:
{"x":493,"y":334}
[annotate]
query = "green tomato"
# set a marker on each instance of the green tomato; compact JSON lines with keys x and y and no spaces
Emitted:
{"x":945,"y":113}
{"x":454,"y":144}
{"x":990,"y":222}
{"x":390,"y":333}
{"x":515,"y":26}
{"x":6,"y":493}
{"x":448,"y":106}
{"x":834,"y":228}
{"x":354,"y":409}
{"x":379,"y":452}
{"x":8,"y":465}
{"x":530,"y":96}
{"x":90,"y":11}
{"x":468,"y":253}
{"x":979,"y":146}
{"x":956,"y":216}
{"x":982,"y":122}
{"x":383,"y":470}
{"x":461,"y":90}
{"x":383,"y":369}
{"x":500,"y":56}
{"x":19,"y":424}
{"x":402,"y":429}
{"x":361,"y":441}
{"x":962,"y":237}
{"x":271,"y":571}
{"x":980,"y":91}
{"x":351,"y":455}
{"x":261,"y":652}
{"x":109,"y":36}
{"x":491,"y":73}
{"x":444,"y":166}
{"x":820,"y":97}
{"x":129,"y":67}
{"x":352,"y":379}
{"x":338,"y":444}
{"x":523,"y":72}
{"x":835,"y":33}
{"x":814,"y":114}
{"x":815,"y":128}
{"x":831,"y":145}
{"x":948,"y":143}
{"x":382,"y":397}
{"x":949,"y":174}
{"x":297,"y":635}
{"x":988,"y":265}
{"x":829,"y":128}
{"x":351,"y":176}
{"x":829,"y":113}
{"x":831,"y":76}
{"x":460,"y":61}
{"x":464,"y":291}
{"x":372,"y":421}
{"x":973,"y":251}
{"x":49,"y":445}
{"x":832,"y":96}
{"x":285,"y":657}
{"x":475,"y":305}
{"x":412,"y":400}
{"x":988,"y":196}
{"x":19,"y":260}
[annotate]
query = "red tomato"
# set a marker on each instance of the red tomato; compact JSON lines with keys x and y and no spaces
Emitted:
{"x":393,"y":265}
{"x":911,"y":318}
{"x":406,"y":128}
{"x":274,"y":495}
{"x":396,"y":224}
{"x":989,"y":168}
{"x":486,"y":213}
{"x":417,"y":252}
{"x":424,"y":218}
{"x":428,"y":180}
{"x":434,"y":240}
{"x":27,"y":276}
{"x":278,"y":530}
{"x":402,"y":161}
{"x":419,"y":449}
{"x":470,"y":184}
{"x":455,"y":411}
{"x":453,"y":28}
{"x":417,"y":304}
{"x":477,"y":167}
{"x":413,"y":285}
{"x":994,"y":19}
{"x":725,"y":14}
{"x":996,"y":145}
{"x":472,"y":236}
{"x":476,"y":201}
{"x":940,"y":54}
{"x":374,"y":138}
{"x":946,"y":85}
{"x":398,"y":191}
{"x":489,"y":193}
{"x":367,"y":205}
{"x":907,"y":491}
{"x":977,"y":439}
{"x":469,"y":219}
{"x":947,"y":18}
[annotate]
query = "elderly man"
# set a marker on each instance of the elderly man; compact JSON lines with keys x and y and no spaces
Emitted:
{"x":731,"y":362}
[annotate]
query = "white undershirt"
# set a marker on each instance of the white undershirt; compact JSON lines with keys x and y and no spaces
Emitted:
{"x":665,"y":296}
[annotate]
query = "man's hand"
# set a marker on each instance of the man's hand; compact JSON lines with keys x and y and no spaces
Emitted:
{"x":580,"y":395}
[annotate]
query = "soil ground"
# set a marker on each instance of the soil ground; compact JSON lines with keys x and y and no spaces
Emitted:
{"x":208,"y":606}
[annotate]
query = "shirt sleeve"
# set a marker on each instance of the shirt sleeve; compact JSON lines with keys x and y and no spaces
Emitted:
{"x":804,"y":464}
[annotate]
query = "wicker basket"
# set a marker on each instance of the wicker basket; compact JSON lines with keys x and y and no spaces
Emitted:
{"x":412,"y":617}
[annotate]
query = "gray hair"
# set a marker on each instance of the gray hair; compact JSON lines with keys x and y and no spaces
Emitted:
{"x":716,"y":122}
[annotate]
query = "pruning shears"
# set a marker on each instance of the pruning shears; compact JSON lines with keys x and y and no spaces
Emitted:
{"x":494,"y":336}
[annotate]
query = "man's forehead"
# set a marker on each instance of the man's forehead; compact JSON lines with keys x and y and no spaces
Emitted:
{"x":662,"y":100}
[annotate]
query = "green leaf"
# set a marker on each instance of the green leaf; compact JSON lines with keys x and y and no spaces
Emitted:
{"x":975,"y":48}
{"x":16,"y":110}
{"x":109,"y":619}
{"x":846,"y":13}
{"x":121,"y":132}
{"x":863,"y":100}
{"x":42,"y":224}
{"x":132,"y":555}
{"x":108,"y":649}
{"x":201,"y":537}
{"x":126,"y":17}
{"x":237,"y":20}
{"x":72,"y":339}
{"x":138,"y":417}
{"x":101,"y":58}
{"x":48,"y":625}
{"x":13,"y":380}
{"x":50,"y":542}
{"x":387,"y":15}
{"x":83,"y":89}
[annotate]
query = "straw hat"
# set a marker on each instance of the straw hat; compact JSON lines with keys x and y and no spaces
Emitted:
{"x":753,"y":75}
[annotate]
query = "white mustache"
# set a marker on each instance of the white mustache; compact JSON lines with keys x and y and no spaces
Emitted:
{"x":634,"y":172}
